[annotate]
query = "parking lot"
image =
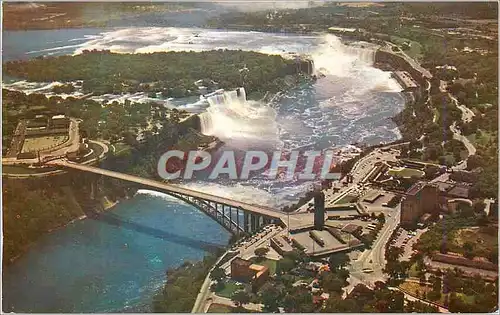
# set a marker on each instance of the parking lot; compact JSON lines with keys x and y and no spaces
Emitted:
{"x":405,"y":239}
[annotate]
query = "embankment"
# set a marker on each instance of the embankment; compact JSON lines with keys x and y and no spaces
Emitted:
{"x":36,"y":206}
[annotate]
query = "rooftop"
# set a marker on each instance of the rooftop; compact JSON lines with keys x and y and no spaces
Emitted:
{"x":351,"y":228}
{"x":461,"y":191}
{"x":415,"y":188}
{"x":406,"y":79}
{"x":241,"y":262}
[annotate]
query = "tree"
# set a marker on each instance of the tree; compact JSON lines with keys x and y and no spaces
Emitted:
{"x":331,"y":283}
{"x":338,"y":260}
{"x":218,"y":274}
{"x":422,"y":278}
{"x":270,"y":298}
{"x":436,"y":283}
{"x":240,"y":298}
{"x":468,"y":250}
{"x":335,"y":304}
{"x":260,"y":252}
{"x":298,"y":300}
{"x":285,"y":264}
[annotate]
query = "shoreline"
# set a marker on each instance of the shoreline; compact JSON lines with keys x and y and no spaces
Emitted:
{"x":27,"y":247}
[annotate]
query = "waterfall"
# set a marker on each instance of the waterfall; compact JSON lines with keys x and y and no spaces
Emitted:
{"x":231,"y":117}
{"x":366,"y":55}
{"x":206,"y":124}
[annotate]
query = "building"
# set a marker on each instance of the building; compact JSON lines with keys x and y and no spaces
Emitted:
{"x":405,"y":80}
{"x":244,"y":271}
{"x":319,"y":211}
{"x":432,"y":197}
{"x":59,"y":122}
{"x":419,"y":199}
{"x":353,"y":229}
{"x":280,"y":245}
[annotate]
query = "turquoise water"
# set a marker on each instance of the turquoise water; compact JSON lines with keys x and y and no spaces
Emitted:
{"x":112,"y":264}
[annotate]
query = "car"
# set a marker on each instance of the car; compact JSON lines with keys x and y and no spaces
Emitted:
{"x":367,"y":270}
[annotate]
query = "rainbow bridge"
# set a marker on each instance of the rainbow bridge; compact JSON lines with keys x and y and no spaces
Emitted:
{"x":235,"y":216}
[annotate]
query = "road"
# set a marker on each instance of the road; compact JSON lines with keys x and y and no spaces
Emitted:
{"x":374,"y":258}
{"x":467,"y":114}
{"x":171,"y":188}
{"x":205,"y":296}
{"x":361,"y":169}
{"x":199,"y":304}
{"x":471,"y":150}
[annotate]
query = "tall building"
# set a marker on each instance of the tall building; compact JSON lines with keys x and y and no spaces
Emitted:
{"x":419,"y":199}
{"x":319,"y":211}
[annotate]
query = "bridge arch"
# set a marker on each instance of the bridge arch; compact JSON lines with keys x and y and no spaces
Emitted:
{"x":218,"y":208}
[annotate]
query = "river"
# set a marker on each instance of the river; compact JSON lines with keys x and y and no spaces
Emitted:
{"x":117,"y":264}
{"x":113,"y":264}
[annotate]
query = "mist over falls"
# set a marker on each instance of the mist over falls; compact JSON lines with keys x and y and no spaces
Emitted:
{"x":238,"y":121}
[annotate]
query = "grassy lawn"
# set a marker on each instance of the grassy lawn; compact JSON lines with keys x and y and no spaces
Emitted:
{"x":347,"y":199}
{"x":406,"y":172}
{"x":121,"y":148}
{"x":413,"y":288}
{"x":484,"y":239}
{"x":97,"y":150}
{"x":469,"y":299}
{"x":230,"y":287}
{"x":269,"y":263}
{"x":415,"y":50}
{"x":413,"y":271}
{"x":435,"y":112}
{"x":219,"y":308}
{"x":483,"y":138}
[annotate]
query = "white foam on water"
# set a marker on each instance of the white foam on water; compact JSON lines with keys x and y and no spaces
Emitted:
{"x":231,"y":117}
{"x":55,"y":48}
{"x":161,"y":195}
{"x":236,"y":191}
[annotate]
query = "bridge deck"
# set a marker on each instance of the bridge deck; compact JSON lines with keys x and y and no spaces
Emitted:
{"x":172,"y":188}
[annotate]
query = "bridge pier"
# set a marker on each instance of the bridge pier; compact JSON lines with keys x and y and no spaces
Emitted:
{"x":246,"y":217}
{"x":254,"y":223}
{"x":237,"y":221}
